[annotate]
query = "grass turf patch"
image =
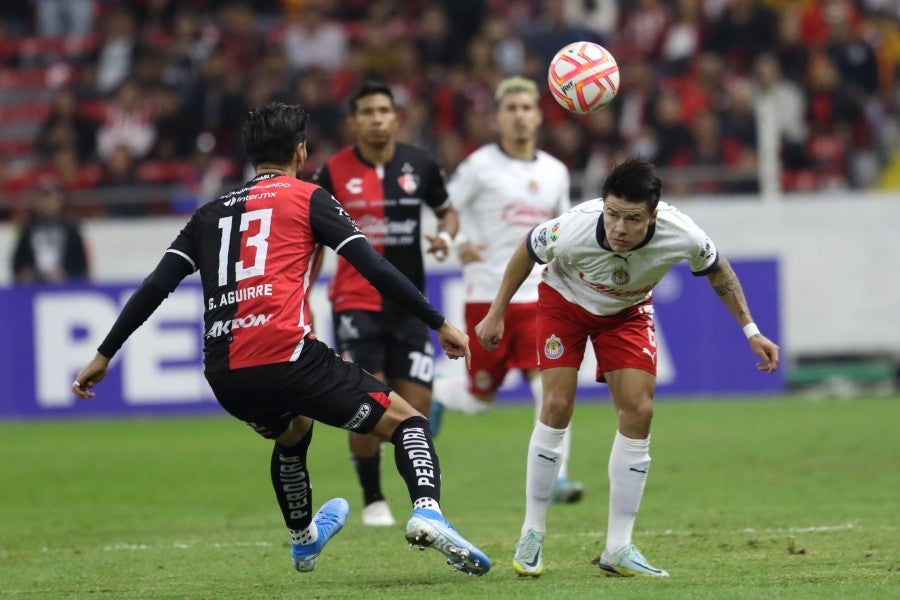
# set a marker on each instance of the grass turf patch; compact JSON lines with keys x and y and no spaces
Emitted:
{"x":747,"y":499}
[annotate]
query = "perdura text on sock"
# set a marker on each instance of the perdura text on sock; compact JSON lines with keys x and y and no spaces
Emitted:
{"x":294,"y":485}
{"x":415,"y":444}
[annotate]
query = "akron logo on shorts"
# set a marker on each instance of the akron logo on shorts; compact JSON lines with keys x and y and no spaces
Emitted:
{"x":553,"y":347}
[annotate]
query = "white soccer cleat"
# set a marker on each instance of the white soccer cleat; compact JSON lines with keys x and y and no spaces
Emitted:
{"x":378,"y":514}
{"x":629,"y":562}
{"x":529,"y":560}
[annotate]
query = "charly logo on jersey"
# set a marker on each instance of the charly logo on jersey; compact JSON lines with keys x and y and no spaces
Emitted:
{"x":228,"y":325}
{"x":553,"y":347}
{"x":620,"y":276}
{"x":354,"y":185}
{"x":554,"y":232}
{"x":409,"y":181}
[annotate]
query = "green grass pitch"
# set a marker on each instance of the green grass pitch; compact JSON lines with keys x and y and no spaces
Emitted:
{"x":752,"y":498}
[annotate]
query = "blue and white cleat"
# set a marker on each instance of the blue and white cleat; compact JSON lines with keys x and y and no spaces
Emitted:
{"x":428,"y":529}
{"x":566,"y":491}
{"x":329,"y":520}
{"x":529,"y":560}
{"x":629,"y":562}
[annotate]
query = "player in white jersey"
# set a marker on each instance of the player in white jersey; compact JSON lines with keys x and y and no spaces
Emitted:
{"x":501,"y":191}
{"x":603,"y":259}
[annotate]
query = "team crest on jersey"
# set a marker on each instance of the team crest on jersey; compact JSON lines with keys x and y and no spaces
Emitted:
{"x":620,"y":276}
{"x":553,"y":347}
{"x":554,"y":232}
{"x":408,"y":182}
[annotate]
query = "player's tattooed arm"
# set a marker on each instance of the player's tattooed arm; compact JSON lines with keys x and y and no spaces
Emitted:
{"x":727,"y":286}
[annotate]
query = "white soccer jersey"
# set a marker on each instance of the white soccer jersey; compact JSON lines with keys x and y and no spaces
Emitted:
{"x":499,"y":199}
{"x":604,"y":282}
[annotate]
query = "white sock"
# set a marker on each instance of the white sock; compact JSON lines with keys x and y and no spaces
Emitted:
{"x":429,"y":503}
{"x":543,"y":464}
{"x":629,"y":463}
{"x":453,"y":393}
{"x":305,"y":536}
{"x":537,"y":392}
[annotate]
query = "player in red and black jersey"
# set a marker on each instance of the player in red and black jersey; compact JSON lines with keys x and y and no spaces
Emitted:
{"x":384,"y":184}
{"x":255,"y":249}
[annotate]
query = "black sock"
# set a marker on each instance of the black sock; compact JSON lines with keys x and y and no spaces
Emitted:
{"x":369,"y":472}
{"x":416,"y":459}
{"x":290,"y":478}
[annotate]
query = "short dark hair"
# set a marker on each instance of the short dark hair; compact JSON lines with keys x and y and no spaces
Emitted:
{"x":272,"y":132}
{"x":368,"y":88}
{"x":634,"y":180}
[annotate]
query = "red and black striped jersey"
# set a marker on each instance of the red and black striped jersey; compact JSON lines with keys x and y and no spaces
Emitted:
{"x":386,"y":203}
{"x":255,"y":248}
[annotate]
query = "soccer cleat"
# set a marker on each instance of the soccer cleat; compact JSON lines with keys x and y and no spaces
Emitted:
{"x":529,"y":560}
{"x":435,"y":416}
{"x":629,"y":562}
{"x":566,"y":492}
{"x":329,"y":519}
{"x":428,"y":529}
{"x":377,"y":514}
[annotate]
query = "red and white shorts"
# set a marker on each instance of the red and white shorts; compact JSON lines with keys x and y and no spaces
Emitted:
{"x":516,"y":350}
{"x":626,"y":340}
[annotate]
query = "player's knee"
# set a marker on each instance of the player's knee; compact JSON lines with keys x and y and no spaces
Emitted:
{"x":638,"y":412}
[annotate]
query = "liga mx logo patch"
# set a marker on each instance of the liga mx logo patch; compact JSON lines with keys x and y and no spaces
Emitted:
{"x":554,"y":232}
{"x":553,"y":347}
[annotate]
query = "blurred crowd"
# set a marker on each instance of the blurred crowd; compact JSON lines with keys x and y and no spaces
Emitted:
{"x":102,"y":95}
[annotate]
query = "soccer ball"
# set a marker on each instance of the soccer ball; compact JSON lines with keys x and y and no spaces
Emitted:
{"x":583,"y":77}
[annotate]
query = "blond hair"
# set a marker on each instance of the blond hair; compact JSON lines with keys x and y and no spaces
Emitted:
{"x":516,"y":84}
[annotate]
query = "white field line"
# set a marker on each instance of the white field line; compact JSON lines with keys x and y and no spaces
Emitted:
{"x":177,"y":545}
{"x":768,"y":530}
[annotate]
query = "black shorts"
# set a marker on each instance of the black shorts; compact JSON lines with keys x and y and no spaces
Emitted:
{"x":319,"y":385}
{"x":397,"y":344}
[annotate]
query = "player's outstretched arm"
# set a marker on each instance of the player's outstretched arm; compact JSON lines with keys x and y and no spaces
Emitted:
{"x":454,"y":342}
{"x":145,"y":300}
{"x":490,"y":329}
{"x":727,"y":286}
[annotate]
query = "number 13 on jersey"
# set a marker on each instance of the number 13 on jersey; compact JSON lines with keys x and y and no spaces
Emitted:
{"x":257,"y":241}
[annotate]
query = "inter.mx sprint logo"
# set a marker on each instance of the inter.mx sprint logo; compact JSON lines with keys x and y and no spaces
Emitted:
{"x":227,"y":326}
